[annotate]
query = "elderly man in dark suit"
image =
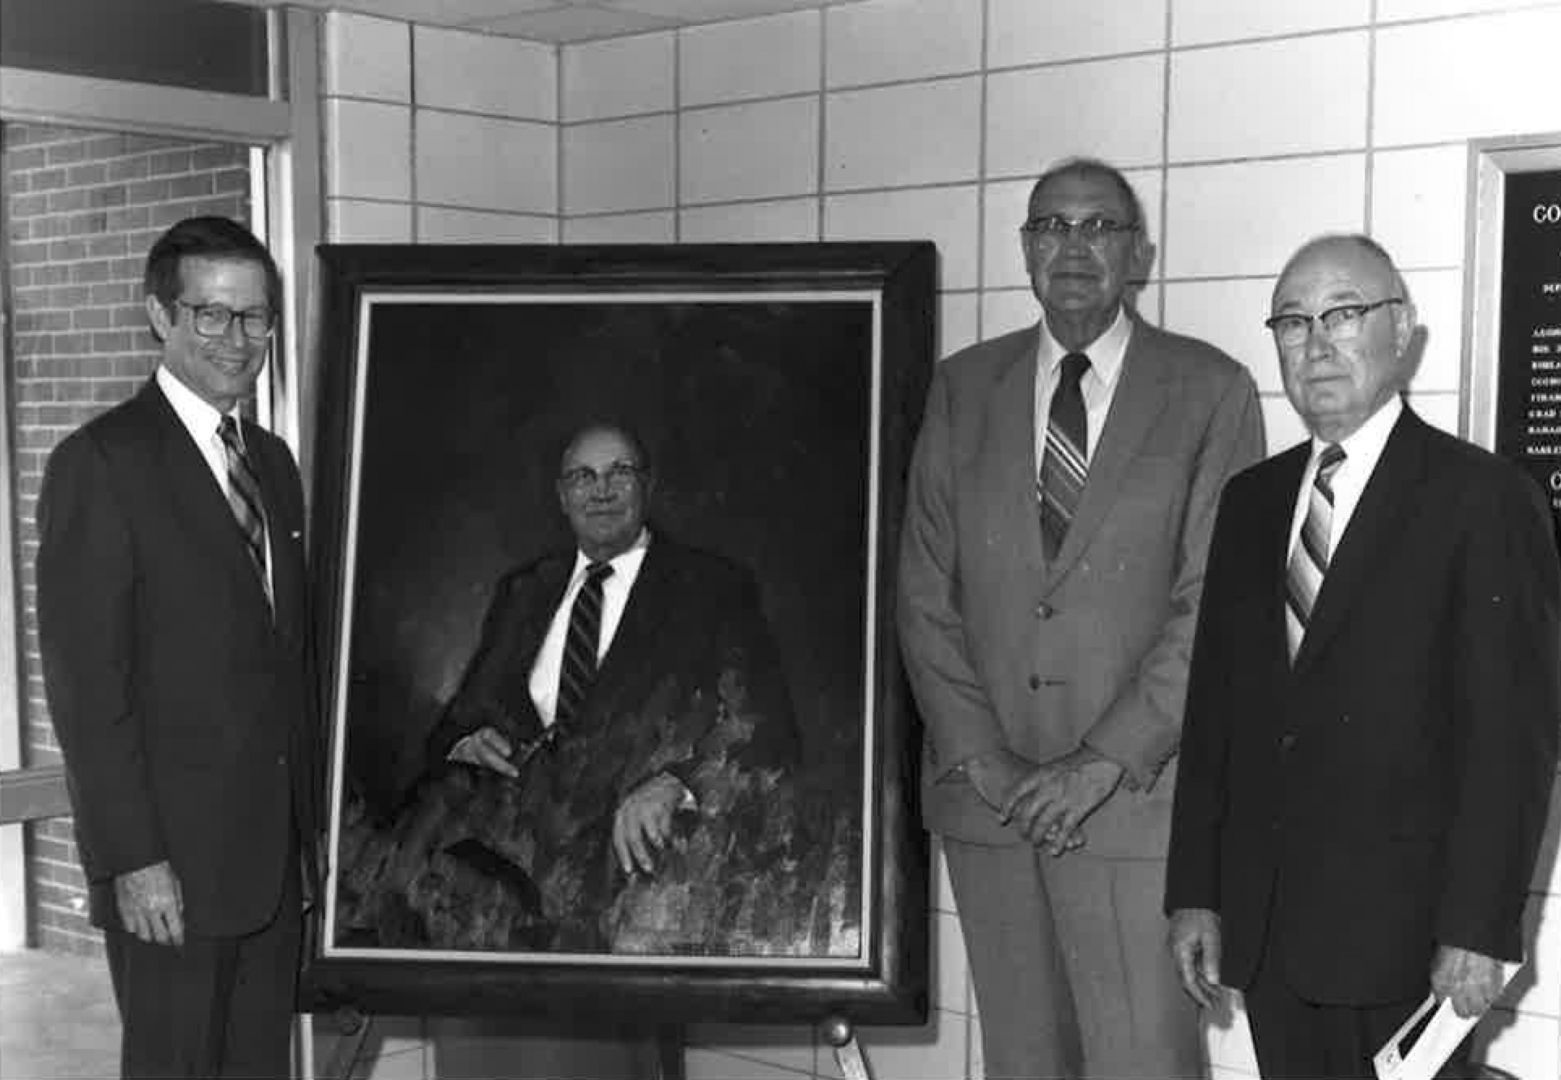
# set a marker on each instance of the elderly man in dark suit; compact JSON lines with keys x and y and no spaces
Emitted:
{"x":1376,"y":687}
{"x":1061,"y":495}
{"x":630,"y":693}
{"x":175,"y":641}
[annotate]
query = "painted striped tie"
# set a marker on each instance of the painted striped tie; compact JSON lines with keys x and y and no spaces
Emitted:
{"x":578,"y":670}
{"x":1309,"y":560}
{"x":1065,"y":462}
{"x":249,"y":510}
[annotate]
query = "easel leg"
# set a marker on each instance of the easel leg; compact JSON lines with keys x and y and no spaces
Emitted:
{"x":840,"y":1034}
{"x":669,"y":1052}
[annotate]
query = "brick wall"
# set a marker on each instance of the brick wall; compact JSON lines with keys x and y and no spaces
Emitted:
{"x":81,"y":209}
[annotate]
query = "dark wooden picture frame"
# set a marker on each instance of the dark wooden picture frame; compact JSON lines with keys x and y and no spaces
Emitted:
{"x":778,"y":389}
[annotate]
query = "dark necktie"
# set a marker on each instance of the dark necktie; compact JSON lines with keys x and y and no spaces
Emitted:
{"x":1309,"y":561}
{"x":1065,"y":463}
{"x":249,"y":510}
{"x":578,"y":670}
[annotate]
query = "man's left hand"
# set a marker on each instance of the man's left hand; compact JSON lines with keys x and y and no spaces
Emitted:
{"x":1471,"y":979}
{"x":643,"y":822}
{"x":1049,"y":805}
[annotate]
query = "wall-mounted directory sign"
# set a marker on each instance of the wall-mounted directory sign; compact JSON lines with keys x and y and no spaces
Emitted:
{"x":1528,"y":402}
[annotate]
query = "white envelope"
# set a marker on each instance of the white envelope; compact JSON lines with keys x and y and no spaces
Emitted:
{"x":1429,"y":1052}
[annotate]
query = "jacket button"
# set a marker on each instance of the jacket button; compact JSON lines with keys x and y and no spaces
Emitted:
{"x":1035,"y":682}
{"x":1044,"y":610}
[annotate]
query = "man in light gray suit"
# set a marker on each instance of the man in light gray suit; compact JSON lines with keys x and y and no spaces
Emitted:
{"x":1061,"y":498}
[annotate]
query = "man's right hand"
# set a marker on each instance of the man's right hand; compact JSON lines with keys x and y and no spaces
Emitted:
{"x":1194,"y":940}
{"x":151,"y":904}
{"x":485,"y":747}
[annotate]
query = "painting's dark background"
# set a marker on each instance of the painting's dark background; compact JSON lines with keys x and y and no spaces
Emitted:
{"x":756,"y":416}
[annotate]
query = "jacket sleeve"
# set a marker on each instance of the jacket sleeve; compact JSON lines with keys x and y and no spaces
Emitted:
{"x":1507,"y":641}
{"x":86,"y":627}
{"x":959,"y":716}
{"x":1141,"y":727}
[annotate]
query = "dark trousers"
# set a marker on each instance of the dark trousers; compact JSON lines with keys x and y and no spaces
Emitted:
{"x":1304,"y":1040}
{"x":213,"y":1007}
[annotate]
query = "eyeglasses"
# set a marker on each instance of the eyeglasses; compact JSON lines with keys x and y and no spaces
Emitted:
{"x":213,"y":320}
{"x":619,"y":478}
{"x":1339,"y":323}
{"x":1095,"y":231}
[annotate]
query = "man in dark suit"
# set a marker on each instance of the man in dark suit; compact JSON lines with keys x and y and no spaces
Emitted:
{"x":175,"y":643}
{"x":622,"y":687}
{"x":1376,"y":686}
{"x":1061,"y":495}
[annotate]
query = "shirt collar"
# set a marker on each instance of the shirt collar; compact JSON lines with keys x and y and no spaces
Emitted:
{"x":633,"y":555}
{"x":198,"y":415}
{"x":1105,"y":352}
{"x":1364,"y":445}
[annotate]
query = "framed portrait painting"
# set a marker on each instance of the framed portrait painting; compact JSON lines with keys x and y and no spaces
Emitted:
{"x":716,"y":820}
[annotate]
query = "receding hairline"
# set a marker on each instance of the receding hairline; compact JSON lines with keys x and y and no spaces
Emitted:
{"x":1359,"y":242}
{"x":624,"y":432}
{"x":1092,"y":167}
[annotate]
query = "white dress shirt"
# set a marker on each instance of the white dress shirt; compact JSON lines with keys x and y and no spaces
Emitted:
{"x":1099,"y":384}
{"x":1362,"y":449}
{"x":615,"y":596}
{"x":203,"y":422}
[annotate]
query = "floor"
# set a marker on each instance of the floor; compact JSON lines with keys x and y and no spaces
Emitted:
{"x":57,"y":1018}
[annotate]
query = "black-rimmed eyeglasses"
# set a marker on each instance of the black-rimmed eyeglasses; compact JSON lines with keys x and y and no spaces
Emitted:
{"x":618,"y":477}
{"x":1339,"y":323}
{"x":1092,"y":230}
{"x":213,"y":320}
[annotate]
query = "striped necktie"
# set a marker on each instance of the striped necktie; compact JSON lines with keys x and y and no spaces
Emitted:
{"x":249,"y":510}
{"x":578,"y":670}
{"x":1309,"y":560}
{"x":1065,"y":463}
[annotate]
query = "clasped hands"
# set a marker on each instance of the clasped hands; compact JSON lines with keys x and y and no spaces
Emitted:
{"x":1471,"y":979}
{"x":1046,"y":803}
{"x":641,"y":825}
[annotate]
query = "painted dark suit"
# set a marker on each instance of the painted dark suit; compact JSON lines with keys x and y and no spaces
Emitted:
{"x":691,"y":685}
{"x":1389,"y":788}
{"x":183,"y":707}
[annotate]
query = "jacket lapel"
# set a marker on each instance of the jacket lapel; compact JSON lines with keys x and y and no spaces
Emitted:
{"x":635,"y":639}
{"x":1139,"y":399}
{"x":1006,"y":465}
{"x":1368,"y":537}
{"x":1272,"y":526}
{"x":196,"y":497}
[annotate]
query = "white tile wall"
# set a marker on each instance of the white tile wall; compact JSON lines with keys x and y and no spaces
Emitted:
{"x":916,"y":133}
{"x":751,"y":58}
{"x":367,"y":57}
{"x":1417,"y":204}
{"x":485,"y":163}
{"x":891,"y":40}
{"x":1112,"y":109}
{"x":1463,"y":78}
{"x":368,"y":152}
{"x":619,"y":77}
{"x":946,"y":215}
{"x":1025,"y":32}
{"x":619,"y":165}
{"x":1247,"y":218}
{"x":783,"y":220}
{"x":352,"y":221}
{"x":445,"y":225}
{"x":1197,"y":21}
{"x":1252,"y":90}
{"x":749,"y":151}
{"x":656,"y":227}
{"x":482,"y":73}
{"x":1261,"y":142}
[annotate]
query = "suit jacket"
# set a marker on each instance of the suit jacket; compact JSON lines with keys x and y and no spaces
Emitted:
{"x":1389,"y":788}
{"x":690,"y":617}
{"x":1006,"y":649}
{"x":184,"y":710}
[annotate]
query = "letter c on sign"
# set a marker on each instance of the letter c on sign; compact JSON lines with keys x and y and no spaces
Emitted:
{"x":1547,"y":213}
{"x":1555,"y":480}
